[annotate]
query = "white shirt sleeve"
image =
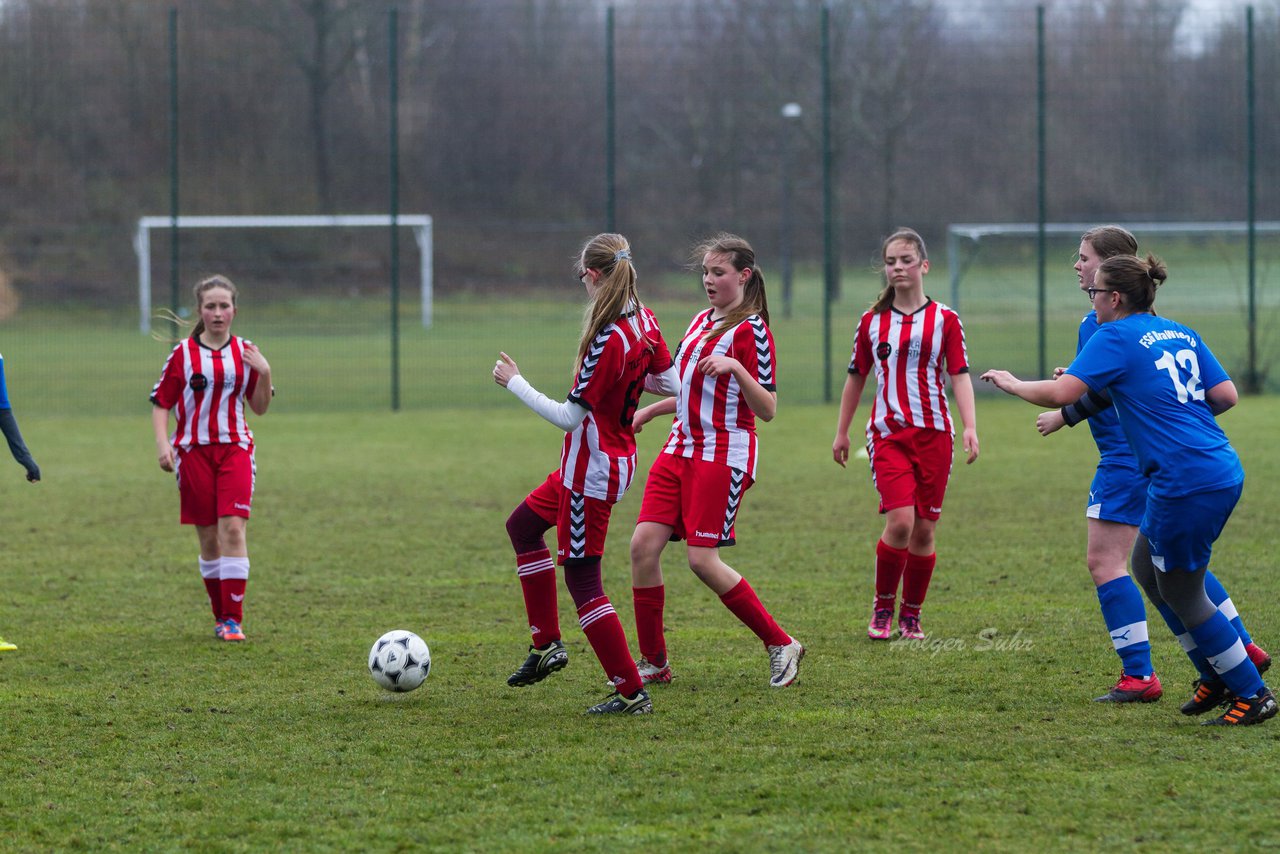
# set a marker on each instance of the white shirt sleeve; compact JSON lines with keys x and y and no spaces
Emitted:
{"x":666,"y":384}
{"x":565,"y":415}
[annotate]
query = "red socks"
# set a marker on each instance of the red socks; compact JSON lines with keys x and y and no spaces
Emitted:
{"x":233,"y":598}
{"x":650,"y":634}
{"x":746,"y":606}
{"x":890,"y":563}
{"x":915,"y":583}
{"x":604,"y":632}
{"x":213,"y":586}
{"x":538,"y":583}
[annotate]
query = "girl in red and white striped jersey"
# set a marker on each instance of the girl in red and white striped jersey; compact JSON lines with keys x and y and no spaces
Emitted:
{"x":205,"y":383}
{"x":911,"y":342}
{"x":695,"y":487}
{"x":620,"y":354}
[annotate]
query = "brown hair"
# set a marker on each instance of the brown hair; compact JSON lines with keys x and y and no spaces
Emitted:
{"x":1110,"y":240}
{"x":885,"y":299}
{"x":1133,"y":278}
{"x":615,"y":290}
{"x":742,"y":257}
{"x":205,"y":284}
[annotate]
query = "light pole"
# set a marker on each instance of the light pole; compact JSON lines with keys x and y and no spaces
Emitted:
{"x":791,"y":115}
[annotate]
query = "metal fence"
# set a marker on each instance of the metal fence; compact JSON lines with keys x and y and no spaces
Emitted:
{"x":524,"y":126}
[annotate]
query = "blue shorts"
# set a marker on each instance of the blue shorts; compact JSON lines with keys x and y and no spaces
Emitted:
{"x":1182,"y":530}
{"x":1118,"y":494}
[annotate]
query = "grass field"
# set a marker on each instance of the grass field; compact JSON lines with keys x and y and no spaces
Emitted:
{"x":126,"y":726}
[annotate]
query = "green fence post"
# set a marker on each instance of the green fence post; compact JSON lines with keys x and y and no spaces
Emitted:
{"x":1252,"y":378}
{"x":393,"y":72}
{"x":610,"y":125}
{"x":828,"y":207}
{"x":173,"y":159}
{"x":1042,"y":217}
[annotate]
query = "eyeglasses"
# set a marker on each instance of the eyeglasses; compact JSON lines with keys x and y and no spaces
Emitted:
{"x":1093,"y":292}
{"x":582,"y":277}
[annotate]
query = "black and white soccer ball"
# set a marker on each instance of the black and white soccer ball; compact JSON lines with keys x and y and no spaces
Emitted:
{"x":399,"y":660}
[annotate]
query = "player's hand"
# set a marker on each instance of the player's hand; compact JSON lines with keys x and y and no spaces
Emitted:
{"x":1057,"y":372}
{"x":253,"y":358}
{"x":718,"y":366}
{"x":971,"y":444}
{"x":33,"y":473}
{"x":1002,"y":380}
{"x":504,"y":370}
{"x":166,"y":457}
{"x":1050,"y":421}
{"x":641,"y":417}
{"x":840,"y":450}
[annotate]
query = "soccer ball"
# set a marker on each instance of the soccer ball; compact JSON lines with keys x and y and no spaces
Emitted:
{"x":399,"y":660}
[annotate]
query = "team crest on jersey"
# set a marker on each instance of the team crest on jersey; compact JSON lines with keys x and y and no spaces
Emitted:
{"x":883,"y":350}
{"x":198,"y":382}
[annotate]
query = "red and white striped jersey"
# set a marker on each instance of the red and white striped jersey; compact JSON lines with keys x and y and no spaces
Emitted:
{"x":908,"y":352}
{"x":599,"y":455}
{"x":713,"y":421}
{"x":206,"y":389}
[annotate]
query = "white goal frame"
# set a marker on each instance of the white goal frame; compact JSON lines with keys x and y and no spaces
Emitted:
{"x":420,"y":223}
{"x":963,"y":237}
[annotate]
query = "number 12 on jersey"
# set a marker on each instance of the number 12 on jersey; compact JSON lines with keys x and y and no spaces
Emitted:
{"x":1187,"y":359}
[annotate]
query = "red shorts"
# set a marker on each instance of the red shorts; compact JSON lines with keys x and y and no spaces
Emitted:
{"x":215,"y":481}
{"x":581,"y":521}
{"x":698,"y":500}
{"x":912,"y":467}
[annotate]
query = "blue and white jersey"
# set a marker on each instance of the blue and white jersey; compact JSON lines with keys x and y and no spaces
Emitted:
{"x":1156,"y":371}
{"x":4,"y":392}
{"x":1113,"y":447}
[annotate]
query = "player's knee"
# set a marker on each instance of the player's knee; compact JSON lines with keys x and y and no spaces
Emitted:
{"x":646,"y":546}
{"x":231,"y":534}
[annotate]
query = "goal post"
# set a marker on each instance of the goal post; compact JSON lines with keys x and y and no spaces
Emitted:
{"x":965,"y":238}
{"x":420,"y":223}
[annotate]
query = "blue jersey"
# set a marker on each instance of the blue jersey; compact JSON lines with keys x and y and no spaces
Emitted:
{"x":1113,"y":447}
{"x":4,"y":392}
{"x":1156,"y":371}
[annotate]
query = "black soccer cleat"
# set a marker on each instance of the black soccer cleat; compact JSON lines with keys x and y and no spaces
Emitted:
{"x":1210,"y":693}
{"x":616,"y":704}
{"x":541,"y":663}
{"x":1244,"y":711}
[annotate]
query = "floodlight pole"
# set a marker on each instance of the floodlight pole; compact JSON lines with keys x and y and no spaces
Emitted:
{"x":791,"y":114}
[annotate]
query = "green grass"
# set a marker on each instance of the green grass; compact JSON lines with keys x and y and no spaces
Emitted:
{"x":127,"y":727}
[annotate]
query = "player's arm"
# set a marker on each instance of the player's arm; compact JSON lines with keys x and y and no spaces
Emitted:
{"x":665,"y":384}
{"x":1222,"y":397}
{"x":849,"y":398}
{"x":17,"y":447}
{"x":260,"y":400}
{"x":962,"y":388}
{"x":1086,"y":406}
{"x":763,"y":402}
{"x":1057,"y":392}
{"x":645,"y":414}
{"x":566,"y":416}
{"x":160,"y":426}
